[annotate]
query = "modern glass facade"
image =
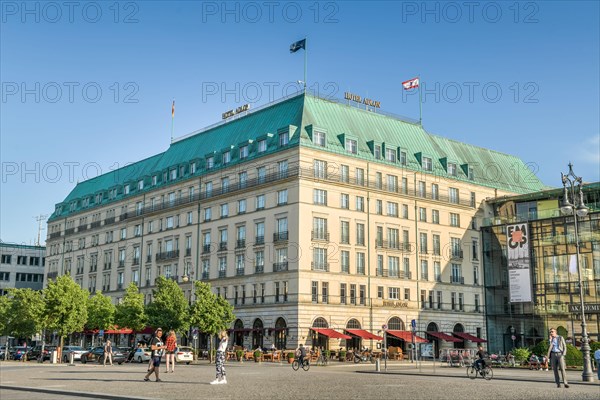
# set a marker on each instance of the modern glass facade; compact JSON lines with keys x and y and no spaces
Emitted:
{"x":554,"y":274}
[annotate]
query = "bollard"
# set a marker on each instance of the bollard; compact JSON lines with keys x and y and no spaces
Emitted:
{"x":71,"y":358}
{"x":377,"y":365}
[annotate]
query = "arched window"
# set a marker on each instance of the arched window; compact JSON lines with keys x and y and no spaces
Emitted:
{"x":238,"y":332}
{"x":396,"y":324}
{"x":320,"y":323}
{"x":458,"y":328}
{"x":353,"y":324}
{"x":257,"y":333}
{"x":280,"y":335}
{"x":432,"y":327}
{"x":355,"y":342}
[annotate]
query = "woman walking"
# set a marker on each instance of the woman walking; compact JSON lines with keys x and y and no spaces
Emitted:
{"x":171,"y":346}
{"x":220,"y":361}
{"x":158,"y":348}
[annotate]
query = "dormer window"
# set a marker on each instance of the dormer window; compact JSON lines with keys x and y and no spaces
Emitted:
{"x":126,"y":189}
{"x":140,"y":184}
{"x":377,"y":152}
{"x":244,"y":151}
{"x":193,"y":168}
{"x":154,"y":180}
{"x":427,"y":164}
{"x":351,"y":146}
{"x":471,"y":174}
{"x":173,"y":174}
{"x":452,"y":169}
{"x":210,"y":162}
{"x":283,"y":139}
{"x":390,"y":155}
{"x":319,"y":138}
{"x":262,"y":146}
{"x":226,"y":157}
{"x":403,"y":159}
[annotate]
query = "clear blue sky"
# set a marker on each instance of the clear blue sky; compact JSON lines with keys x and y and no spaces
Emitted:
{"x":57,"y":129}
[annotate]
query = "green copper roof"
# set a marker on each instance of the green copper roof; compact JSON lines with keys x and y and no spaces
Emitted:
{"x":300,"y":115}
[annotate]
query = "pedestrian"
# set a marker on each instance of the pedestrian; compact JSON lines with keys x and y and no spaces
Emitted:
{"x":107,"y":352}
{"x":171,"y":344}
{"x":557,"y":350}
{"x":157,"y":346}
{"x":597,"y":358}
{"x":24,"y":356}
{"x":220,"y":361}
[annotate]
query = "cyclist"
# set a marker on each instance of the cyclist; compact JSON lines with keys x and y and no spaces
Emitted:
{"x":301,"y":353}
{"x":480,"y":362}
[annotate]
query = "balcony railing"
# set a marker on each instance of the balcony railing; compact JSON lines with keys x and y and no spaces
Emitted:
{"x":167,"y":255}
{"x":188,"y":252}
{"x":281,"y":266}
{"x":405,"y":275}
{"x":95,"y":224}
{"x":121,"y":263}
{"x":240,"y":244}
{"x":319,"y":266}
{"x":381,"y":272}
{"x":259,"y":241}
{"x":457,"y":279}
{"x":222,"y":246}
{"x":148,"y":258}
{"x":319,"y":235}
{"x":54,"y":235}
{"x":222,"y":273}
{"x":280,"y":236}
{"x":205,"y":248}
{"x":136,"y":261}
{"x":456,"y":255}
{"x":205,"y":275}
{"x":259,"y":269}
{"x":109,"y":221}
{"x":239,"y":271}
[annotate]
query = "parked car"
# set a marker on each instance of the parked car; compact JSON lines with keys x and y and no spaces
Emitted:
{"x":142,"y":354}
{"x":3,"y":350}
{"x":97,"y":354}
{"x":35,"y":352}
{"x":184,"y":355}
{"x":19,"y":352}
{"x":76,"y":350}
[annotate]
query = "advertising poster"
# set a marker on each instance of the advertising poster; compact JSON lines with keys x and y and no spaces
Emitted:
{"x":519,"y":277}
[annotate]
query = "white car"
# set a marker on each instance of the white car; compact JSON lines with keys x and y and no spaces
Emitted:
{"x":142,"y":354}
{"x":76,"y":350}
{"x":184,"y":355}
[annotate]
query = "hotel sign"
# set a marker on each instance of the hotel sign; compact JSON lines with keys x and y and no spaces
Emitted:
{"x":395,"y":304}
{"x":587,"y":308}
{"x":358,"y":99}
{"x":238,"y":110}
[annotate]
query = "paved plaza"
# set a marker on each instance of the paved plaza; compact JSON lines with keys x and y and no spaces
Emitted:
{"x":278,"y":381}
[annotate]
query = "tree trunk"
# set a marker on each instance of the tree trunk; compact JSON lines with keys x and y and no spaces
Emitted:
{"x":59,"y":350}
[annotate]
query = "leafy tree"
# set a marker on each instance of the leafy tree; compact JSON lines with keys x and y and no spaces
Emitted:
{"x":169,"y":307}
{"x":130,"y":312}
{"x":6,"y":316}
{"x":209,"y":312}
{"x":101,"y":312}
{"x":66,"y":307}
{"x":28,"y":309}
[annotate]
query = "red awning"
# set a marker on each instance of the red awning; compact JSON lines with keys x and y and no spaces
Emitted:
{"x":363,"y":334}
{"x":443,"y":336}
{"x":331,"y":333}
{"x":468,"y":336}
{"x":407,"y":336}
{"x":117,"y":330}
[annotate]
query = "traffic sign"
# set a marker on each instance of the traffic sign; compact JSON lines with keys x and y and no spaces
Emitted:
{"x":413,"y":324}
{"x":384,"y":327}
{"x":195,"y":331}
{"x":513,"y":337}
{"x":101,"y":333}
{"x":195,"y":337}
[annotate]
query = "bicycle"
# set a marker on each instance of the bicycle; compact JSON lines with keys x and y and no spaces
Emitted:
{"x":296,"y":364}
{"x":487,"y":373}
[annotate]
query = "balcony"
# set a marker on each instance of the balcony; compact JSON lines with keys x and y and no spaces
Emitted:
{"x":319,"y":235}
{"x":109,"y":221}
{"x":95,"y":224}
{"x":167,"y":255}
{"x":121,"y":264}
{"x":149,"y":258}
{"x":239,"y":271}
{"x":148,"y":282}
{"x":206,"y":249}
{"x":259,"y":241}
{"x":425,"y":276}
{"x":188,"y":252}
{"x":54,"y":235}
{"x":223,"y":246}
{"x":205,"y":275}
{"x":123,"y":216}
{"x":282,"y":236}
{"x":405,"y":275}
{"x":222,"y":274}
{"x":281,"y":266}
{"x":259,"y":269}
{"x":136,"y":261}
{"x":82,"y":228}
{"x":381,"y":272}
{"x":456,"y":255}
{"x":457,"y":279}
{"x":69,"y":231}
{"x":240,"y":244}
{"x":319,"y":266}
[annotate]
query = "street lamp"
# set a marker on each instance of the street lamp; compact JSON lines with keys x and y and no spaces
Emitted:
{"x":572,"y":203}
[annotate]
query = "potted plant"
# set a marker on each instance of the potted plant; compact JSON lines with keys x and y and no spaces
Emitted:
{"x":290,"y":357}
{"x":239,"y":355}
{"x":257,"y":355}
{"x":342,"y":357}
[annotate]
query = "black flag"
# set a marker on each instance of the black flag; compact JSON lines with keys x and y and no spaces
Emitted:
{"x":300,"y":44}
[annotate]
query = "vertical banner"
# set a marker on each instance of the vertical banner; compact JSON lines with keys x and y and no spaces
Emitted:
{"x":519,"y":277}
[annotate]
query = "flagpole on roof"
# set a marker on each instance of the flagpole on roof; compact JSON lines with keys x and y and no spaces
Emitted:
{"x":172,"y":119}
{"x":305,"y":63}
{"x":420,"y":104}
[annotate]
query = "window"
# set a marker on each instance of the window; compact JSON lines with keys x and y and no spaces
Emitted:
{"x":351,"y":146}
{"x":210,"y":162}
{"x":360,"y":263}
{"x":360,"y":203}
{"x":405,"y":211}
{"x":379,"y":207}
{"x":455,"y":247}
{"x":452,"y":169}
{"x":226,"y":157}
{"x":244,"y":151}
{"x":190,"y":217}
{"x":453,"y":195}
{"x":140,"y":184}
{"x":360,"y":176}
{"x":282,"y":197}
{"x":123,"y":233}
{"x":284,"y":138}
{"x":345,"y":201}
{"x":154,"y":180}
{"x":126,"y":189}
{"x":377,"y":151}
{"x":193,"y":168}
{"x":475,"y":250}
{"x":471,"y":173}
{"x":422,"y":214}
{"x":427,"y":164}
{"x":380,"y":292}
{"x":173,"y":174}
{"x":453,"y":301}
{"x":360,"y":234}
{"x":342,"y":293}
{"x":472,"y":202}
{"x":345,"y":261}
{"x":320,"y":169}
{"x":282,"y":169}
{"x":394,"y":293}
{"x":407,"y":294}
{"x":319,"y":259}
{"x":423,"y":242}
{"x":437,"y":271}
{"x":435,"y":216}
{"x":390,"y":155}
{"x":225,"y":184}
{"x":475,"y":275}
{"x":393,"y":238}
{"x":461,"y":302}
{"x":344,"y":174}
{"x":378,"y":180}
{"x":319,"y":229}
{"x":319,"y":138}
{"x":224,"y":210}
{"x":260,"y":201}
{"x":345,"y":232}
{"x":241,"y":206}
{"x":393,"y":266}
{"x":315,"y":291}
{"x":437,"y":243}
{"x":425,"y":270}
{"x":392,"y":183}
{"x":243,"y":179}
{"x":454,"y":220}
{"x":403,"y":159}
{"x":422,"y":190}
{"x":320,"y":197}
{"x":476,"y":302}
{"x":262,"y":146}
{"x":207,"y":213}
{"x":261,"y":174}
{"x":404,"y":185}
{"x":259,"y":231}
{"x":352,"y":293}
{"x":456,"y":276}
{"x":208,"y":188}
{"x":392,"y":209}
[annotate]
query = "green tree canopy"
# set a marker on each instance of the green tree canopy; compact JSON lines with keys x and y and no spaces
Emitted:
{"x":66,"y":306}
{"x":27,"y":308}
{"x":209,"y":312}
{"x":130,"y":313}
{"x":169,"y":307}
{"x":101,"y":312}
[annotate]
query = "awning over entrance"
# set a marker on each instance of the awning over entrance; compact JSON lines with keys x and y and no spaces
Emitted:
{"x":363,"y":334}
{"x":443,"y":336}
{"x":407,"y":336}
{"x":331,"y":333}
{"x":468,"y":336}
{"x":116,"y":331}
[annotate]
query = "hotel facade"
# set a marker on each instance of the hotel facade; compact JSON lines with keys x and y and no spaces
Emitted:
{"x":322,"y":224}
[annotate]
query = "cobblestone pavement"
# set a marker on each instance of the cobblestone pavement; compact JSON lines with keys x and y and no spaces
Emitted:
{"x":278,"y":381}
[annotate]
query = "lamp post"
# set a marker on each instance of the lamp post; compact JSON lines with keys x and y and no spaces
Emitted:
{"x":572,"y":203}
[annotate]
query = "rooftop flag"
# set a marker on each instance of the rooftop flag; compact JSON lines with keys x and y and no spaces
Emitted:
{"x":173,"y":110}
{"x":300,"y":44}
{"x":411,"y":83}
